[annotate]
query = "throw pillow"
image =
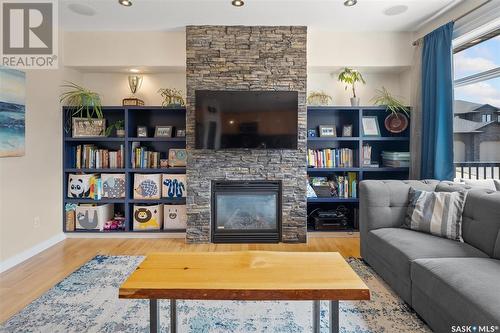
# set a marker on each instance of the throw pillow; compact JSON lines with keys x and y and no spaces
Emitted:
{"x":437,"y":213}
{"x":489,"y":184}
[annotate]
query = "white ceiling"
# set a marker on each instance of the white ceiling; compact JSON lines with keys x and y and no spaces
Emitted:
{"x":164,"y":15}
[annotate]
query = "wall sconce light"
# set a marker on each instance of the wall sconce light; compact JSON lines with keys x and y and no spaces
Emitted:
{"x":134,"y":82}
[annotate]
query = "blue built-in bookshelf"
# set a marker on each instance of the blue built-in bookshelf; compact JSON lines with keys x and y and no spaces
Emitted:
{"x":346,"y":115}
{"x":133,"y":116}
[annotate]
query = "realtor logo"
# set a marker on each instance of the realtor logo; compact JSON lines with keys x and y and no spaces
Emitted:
{"x":29,"y":33}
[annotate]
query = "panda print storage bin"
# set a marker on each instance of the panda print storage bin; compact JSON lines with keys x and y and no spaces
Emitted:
{"x":113,"y":185}
{"x":147,"y":186}
{"x":174,"y":217}
{"x":148,"y":217}
{"x":79,"y":185}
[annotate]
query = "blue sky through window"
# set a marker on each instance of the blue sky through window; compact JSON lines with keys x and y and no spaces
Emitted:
{"x":476,"y":59}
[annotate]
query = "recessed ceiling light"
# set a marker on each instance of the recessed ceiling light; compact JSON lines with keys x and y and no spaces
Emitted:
{"x":134,"y":70}
{"x":350,"y":3}
{"x":395,"y":10}
{"x":126,"y":3}
{"x":81,"y":9}
{"x":237,"y":3}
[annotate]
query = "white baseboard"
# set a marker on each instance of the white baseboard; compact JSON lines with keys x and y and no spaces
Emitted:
{"x":26,"y":254}
{"x":126,"y":235}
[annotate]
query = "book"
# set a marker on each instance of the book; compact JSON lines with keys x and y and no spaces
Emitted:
{"x":89,"y":156}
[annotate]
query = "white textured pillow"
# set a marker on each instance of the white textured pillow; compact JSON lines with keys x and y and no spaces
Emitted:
{"x":489,"y":184}
{"x":437,"y":213}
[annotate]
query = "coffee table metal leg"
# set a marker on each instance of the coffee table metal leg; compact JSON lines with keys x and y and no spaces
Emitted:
{"x":173,"y":316}
{"x":334,"y":317}
{"x":316,"y":316}
{"x":154,"y":318}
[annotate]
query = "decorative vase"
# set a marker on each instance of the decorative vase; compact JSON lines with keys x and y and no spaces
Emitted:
{"x":396,"y":123}
{"x":354,"y":101}
{"x":120,"y":133}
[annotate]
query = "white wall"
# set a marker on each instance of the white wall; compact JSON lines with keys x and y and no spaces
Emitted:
{"x":30,"y":186}
{"x":373,"y":49}
{"x":113,"y":87}
{"x":395,"y":82}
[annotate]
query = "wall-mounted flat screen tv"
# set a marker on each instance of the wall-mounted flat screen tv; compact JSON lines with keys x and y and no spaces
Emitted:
{"x":246,"y":119}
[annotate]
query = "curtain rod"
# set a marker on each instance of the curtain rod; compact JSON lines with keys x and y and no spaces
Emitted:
{"x":459,"y":17}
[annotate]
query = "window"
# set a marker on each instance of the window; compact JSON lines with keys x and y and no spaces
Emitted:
{"x":485,"y":118}
{"x":477,"y":101}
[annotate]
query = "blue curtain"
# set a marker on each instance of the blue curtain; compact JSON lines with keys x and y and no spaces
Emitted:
{"x":437,"y":105}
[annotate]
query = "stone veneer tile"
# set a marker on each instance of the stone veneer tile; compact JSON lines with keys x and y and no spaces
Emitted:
{"x":246,"y":58}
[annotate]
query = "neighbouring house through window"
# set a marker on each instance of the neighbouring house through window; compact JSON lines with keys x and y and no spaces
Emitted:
{"x":476,"y":107}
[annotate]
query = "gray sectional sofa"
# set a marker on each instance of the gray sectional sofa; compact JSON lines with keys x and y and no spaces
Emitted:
{"x":448,"y":283}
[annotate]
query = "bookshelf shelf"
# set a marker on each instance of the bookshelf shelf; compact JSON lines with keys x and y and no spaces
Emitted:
{"x":332,"y":169}
{"x":153,"y":170}
{"x":155,"y":139}
{"x":331,"y":200}
{"x":349,"y":115}
{"x":149,"y":116}
{"x":347,"y":138}
{"x":103,"y":139}
{"x":103,"y":170}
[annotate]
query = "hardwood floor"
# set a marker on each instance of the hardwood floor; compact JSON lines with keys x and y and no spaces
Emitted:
{"x":24,"y":283}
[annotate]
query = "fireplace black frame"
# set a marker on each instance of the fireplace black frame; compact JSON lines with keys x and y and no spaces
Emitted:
{"x":246,"y":236}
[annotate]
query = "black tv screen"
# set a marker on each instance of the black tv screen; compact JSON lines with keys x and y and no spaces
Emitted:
{"x":246,"y":119}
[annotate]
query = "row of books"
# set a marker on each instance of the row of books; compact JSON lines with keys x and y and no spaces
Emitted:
{"x":91,"y":157}
{"x":330,"y":158}
{"x":340,"y":186}
{"x":144,"y":158}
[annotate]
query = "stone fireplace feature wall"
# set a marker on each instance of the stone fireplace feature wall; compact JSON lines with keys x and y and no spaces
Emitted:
{"x":246,"y":58}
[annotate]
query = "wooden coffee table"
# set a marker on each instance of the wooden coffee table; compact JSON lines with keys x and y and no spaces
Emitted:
{"x":250,"y":275}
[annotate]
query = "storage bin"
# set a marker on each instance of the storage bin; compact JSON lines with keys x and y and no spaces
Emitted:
{"x":148,"y":217}
{"x":113,"y":185}
{"x":79,"y":185}
{"x":174,"y":217}
{"x":174,"y":186}
{"x":147,"y":186}
{"x":93,"y":217}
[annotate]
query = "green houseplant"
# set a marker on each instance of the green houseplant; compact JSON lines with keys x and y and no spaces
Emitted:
{"x":397,"y":120}
{"x":350,"y":77}
{"x":84,"y":111}
{"x":119,"y":127}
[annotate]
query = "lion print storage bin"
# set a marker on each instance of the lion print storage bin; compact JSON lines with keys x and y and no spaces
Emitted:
{"x":147,"y":186}
{"x":174,"y":186}
{"x":174,"y":217}
{"x":148,"y":217}
{"x":113,"y":185}
{"x":93,"y":217}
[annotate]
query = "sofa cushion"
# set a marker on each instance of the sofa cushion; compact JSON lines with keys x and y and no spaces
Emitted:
{"x":436,"y":213}
{"x":398,"y":247}
{"x":466,"y":289}
{"x":481,"y":221}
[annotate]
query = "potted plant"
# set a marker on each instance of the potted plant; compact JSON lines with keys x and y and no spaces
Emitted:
{"x":84,"y":111}
{"x":397,"y":120}
{"x":119,"y":127}
{"x":350,"y":76}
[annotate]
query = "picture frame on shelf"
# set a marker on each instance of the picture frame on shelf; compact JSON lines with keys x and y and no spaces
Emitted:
{"x":347,"y":130}
{"x":180,"y":133}
{"x":163,"y":131}
{"x":370,"y":126}
{"x":142,"y":132}
{"x":328,"y":131}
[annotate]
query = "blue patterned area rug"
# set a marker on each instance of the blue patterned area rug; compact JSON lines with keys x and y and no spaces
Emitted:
{"x":87,"y":301}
